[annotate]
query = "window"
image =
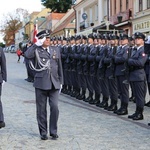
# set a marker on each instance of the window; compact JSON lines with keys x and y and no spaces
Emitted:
{"x":148,"y":4}
{"x":127,"y":4}
{"x":140,"y":5}
{"x":96,"y":12}
{"x":115,"y":7}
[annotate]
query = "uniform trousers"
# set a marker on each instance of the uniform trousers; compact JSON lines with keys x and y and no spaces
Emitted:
{"x":140,"y":89}
{"x":1,"y":107}
{"x":123,"y":89}
{"x":113,"y":88}
{"x":104,"y":87}
{"x":41,"y":110}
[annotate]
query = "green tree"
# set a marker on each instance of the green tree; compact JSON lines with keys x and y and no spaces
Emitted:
{"x":60,"y":6}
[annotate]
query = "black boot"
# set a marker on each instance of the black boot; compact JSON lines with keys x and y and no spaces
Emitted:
{"x":147,"y":104}
{"x":82,"y":96}
{"x":123,"y":109}
{"x":90,"y":98}
{"x":2,"y":124}
{"x":96,"y":100}
{"x":77,"y":93}
{"x":139,"y":114}
{"x":113,"y":105}
{"x":104,"y":103}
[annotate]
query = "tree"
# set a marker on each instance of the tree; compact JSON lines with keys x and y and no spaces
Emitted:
{"x":11,"y":23}
{"x":59,"y":6}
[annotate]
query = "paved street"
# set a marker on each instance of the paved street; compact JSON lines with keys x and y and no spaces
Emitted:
{"x":81,"y":126}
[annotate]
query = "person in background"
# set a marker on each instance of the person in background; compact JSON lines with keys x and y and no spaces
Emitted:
{"x":19,"y":53}
{"x":3,"y":79}
{"x":30,"y":72}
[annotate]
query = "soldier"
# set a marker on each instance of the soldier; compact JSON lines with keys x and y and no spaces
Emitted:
{"x":102,"y":70}
{"x":121,"y":58}
{"x":147,"y":66}
{"x":137,"y":75}
{"x":64,"y":53}
{"x":3,"y":79}
{"x":30,"y":72}
{"x":73,"y":74}
{"x":93,"y":70}
{"x":131,"y":48}
{"x":47,"y":82}
{"x":77,"y":57}
{"x":84,"y":69}
{"x":90,"y":48}
{"x":109,"y":62}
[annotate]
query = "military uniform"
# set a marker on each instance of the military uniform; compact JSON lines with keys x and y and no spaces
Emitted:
{"x":47,"y":82}
{"x":3,"y":78}
{"x":121,"y":58}
{"x":138,"y":77}
{"x":101,"y":73}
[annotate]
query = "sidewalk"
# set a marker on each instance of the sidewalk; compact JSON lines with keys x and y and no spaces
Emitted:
{"x":81,"y":126}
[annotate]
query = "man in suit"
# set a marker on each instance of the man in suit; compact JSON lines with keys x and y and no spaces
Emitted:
{"x":48,"y":82}
{"x":3,"y":79}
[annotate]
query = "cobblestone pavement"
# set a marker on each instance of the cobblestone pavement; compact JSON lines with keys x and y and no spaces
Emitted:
{"x":81,"y":125}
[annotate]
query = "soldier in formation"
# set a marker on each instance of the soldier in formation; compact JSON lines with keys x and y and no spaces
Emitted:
{"x":98,"y":67}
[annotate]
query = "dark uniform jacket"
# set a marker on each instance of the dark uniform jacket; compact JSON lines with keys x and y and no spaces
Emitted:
{"x":120,"y":60}
{"x":46,"y":78}
{"x":3,"y":71}
{"x":136,"y":64}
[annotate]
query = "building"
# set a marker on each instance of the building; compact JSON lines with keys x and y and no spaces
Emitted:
{"x":121,"y":14}
{"x":141,"y":16}
{"x":66,"y":25}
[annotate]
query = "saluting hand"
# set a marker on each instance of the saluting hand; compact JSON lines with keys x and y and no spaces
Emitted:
{"x":40,"y":41}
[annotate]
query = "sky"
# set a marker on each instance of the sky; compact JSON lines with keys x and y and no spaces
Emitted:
{"x":11,"y":5}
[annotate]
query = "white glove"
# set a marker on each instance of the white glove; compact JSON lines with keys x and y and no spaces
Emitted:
{"x":3,"y":82}
{"x":40,"y":41}
{"x":60,"y":88}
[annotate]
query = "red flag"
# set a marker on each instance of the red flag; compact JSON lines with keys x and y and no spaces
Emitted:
{"x":34,"y":34}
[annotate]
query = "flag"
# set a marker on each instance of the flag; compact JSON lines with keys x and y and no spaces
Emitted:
{"x":35,"y":33}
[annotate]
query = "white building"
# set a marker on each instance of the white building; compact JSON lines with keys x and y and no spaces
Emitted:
{"x":141,"y":16}
{"x":95,"y":13}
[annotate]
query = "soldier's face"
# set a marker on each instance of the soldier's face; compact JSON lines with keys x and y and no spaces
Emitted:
{"x":90,"y":41}
{"x":47,"y":42}
{"x":124,"y":41}
{"x":95,"y":41}
{"x":100,"y":41}
{"x":112,"y":42}
{"x":139,"y":41}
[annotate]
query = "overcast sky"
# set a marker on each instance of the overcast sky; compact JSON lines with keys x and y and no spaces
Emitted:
{"x":11,"y":5}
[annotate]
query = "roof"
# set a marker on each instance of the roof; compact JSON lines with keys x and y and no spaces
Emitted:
{"x":66,"y":24}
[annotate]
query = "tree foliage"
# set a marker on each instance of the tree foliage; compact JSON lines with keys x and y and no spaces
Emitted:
{"x":59,"y":6}
{"x":11,"y":23}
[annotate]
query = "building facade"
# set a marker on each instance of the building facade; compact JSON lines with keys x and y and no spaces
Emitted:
{"x":141,"y":16}
{"x":90,"y":14}
{"x":121,"y":14}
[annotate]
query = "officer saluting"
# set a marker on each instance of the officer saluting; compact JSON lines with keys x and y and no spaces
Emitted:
{"x":47,"y":82}
{"x":137,"y":75}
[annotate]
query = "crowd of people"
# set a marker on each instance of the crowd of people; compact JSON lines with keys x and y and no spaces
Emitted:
{"x":106,"y":66}
{"x":103,"y":66}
